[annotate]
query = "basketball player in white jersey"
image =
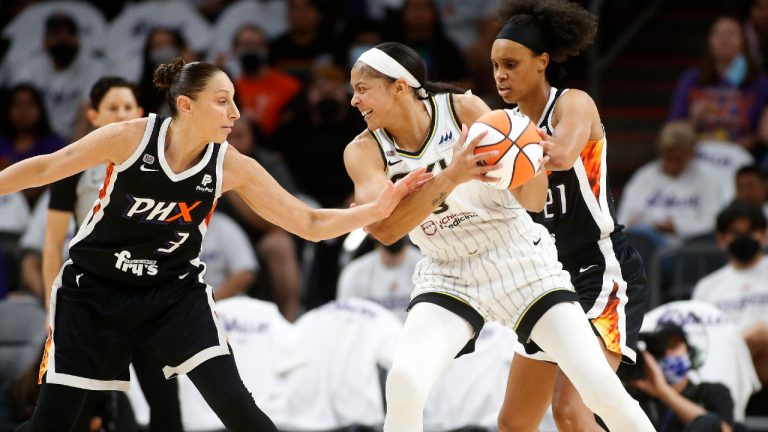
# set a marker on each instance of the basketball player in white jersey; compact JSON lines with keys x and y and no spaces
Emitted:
{"x":606,"y":272}
{"x":485,"y":258}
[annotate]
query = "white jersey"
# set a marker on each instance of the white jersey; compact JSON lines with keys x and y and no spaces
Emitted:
{"x":473,"y":215}
{"x":480,"y":244}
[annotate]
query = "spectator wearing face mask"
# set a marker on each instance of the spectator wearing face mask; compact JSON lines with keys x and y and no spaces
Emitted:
{"x":64,"y":75}
{"x":740,"y":289}
{"x":724,"y":96}
{"x":676,"y":403}
{"x":262,"y":91}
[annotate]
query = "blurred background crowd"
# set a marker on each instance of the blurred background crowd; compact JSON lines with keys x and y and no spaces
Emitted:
{"x":682,"y":89}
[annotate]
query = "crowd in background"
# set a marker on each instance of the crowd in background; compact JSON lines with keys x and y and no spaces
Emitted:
{"x":290,"y":61}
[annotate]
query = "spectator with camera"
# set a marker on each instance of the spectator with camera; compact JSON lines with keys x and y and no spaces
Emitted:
{"x":675,"y":402}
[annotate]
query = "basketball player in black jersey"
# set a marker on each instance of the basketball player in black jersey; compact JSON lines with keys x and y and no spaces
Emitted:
{"x":113,"y":99}
{"x":134,"y":275}
{"x":606,"y":271}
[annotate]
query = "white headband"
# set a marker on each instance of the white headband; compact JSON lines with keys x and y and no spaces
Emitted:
{"x":390,"y":67}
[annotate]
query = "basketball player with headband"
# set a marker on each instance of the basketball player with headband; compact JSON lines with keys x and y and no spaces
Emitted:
{"x":606,"y":272}
{"x":485,"y":258}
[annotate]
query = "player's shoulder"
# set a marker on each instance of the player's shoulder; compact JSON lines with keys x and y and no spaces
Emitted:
{"x":362,"y":146}
{"x":574,"y":98}
{"x":468,"y":107}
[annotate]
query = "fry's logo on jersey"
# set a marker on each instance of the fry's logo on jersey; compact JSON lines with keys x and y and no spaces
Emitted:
{"x":148,"y":210}
{"x":137,"y":266}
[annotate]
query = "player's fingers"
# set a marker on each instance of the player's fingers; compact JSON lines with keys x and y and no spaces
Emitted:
{"x":463,"y":136}
{"x":351,"y":205}
{"x":547,"y":146}
{"x":488,"y":179}
{"x":476,"y":140}
{"x":488,"y":168}
{"x":543,"y":134}
{"x":479,"y":157}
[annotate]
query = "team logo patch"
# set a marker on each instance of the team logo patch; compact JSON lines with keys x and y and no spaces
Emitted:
{"x":446,"y":142}
{"x":429,"y":228}
{"x":148,"y":159}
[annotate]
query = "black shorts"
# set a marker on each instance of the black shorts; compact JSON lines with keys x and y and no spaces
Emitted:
{"x":613,"y":291}
{"x":96,"y":323}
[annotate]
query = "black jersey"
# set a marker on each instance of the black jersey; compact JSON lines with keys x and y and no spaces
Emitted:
{"x":148,"y":223}
{"x":580,"y":208}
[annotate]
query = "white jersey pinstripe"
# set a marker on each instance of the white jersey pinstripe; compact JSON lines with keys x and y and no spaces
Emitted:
{"x":481,"y":246}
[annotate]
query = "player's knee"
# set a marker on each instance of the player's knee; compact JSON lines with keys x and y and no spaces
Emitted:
{"x":404,"y":388}
{"x":515,"y":422}
{"x":604,"y":396}
{"x":567,"y":416}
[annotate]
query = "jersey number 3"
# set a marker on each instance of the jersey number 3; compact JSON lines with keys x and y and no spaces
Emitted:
{"x":173,"y":245}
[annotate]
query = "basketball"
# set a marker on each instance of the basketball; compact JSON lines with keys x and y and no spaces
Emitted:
{"x":515,"y":137}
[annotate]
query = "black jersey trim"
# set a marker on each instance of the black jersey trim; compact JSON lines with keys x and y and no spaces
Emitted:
{"x":142,"y":144}
{"x":458,"y":307}
{"x":544,"y":121}
{"x":420,"y":152}
{"x":380,"y":147}
{"x":538,"y":307}
{"x":177,"y":177}
{"x":454,"y":116}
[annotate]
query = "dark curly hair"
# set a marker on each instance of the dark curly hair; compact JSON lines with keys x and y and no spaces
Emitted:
{"x":569,"y":28}
{"x":182,"y":78}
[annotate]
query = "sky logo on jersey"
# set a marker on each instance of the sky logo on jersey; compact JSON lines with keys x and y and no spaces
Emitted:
{"x":206,"y":180}
{"x":147,"y":210}
{"x":136,"y":266}
{"x":446,"y":142}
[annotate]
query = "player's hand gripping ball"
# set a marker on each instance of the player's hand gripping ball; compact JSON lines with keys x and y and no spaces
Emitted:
{"x":515,"y":137}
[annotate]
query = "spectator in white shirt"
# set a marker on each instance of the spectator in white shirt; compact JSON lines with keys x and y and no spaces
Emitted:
{"x":382,"y":276}
{"x":64,"y":76}
{"x":675,"y":197}
{"x":740,"y":289}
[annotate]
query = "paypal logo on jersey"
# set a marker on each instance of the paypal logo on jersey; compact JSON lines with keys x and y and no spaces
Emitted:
{"x":207,"y":179}
{"x":147,"y":210}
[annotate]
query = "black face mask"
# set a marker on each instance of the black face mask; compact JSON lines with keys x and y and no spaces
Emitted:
{"x":744,"y":248}
{"x":397,"y":246}
{"x":328,"y":108}
{"x":251,"y":62}
{"x":63,"y":53}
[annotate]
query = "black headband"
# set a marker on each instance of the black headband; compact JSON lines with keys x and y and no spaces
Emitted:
{"x":531,"y":37}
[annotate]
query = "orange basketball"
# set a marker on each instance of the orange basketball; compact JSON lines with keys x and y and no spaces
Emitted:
{"x":515,"y":137}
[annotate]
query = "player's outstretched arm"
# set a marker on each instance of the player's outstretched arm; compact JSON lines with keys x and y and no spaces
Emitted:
{"x":266,"y":197}
{"x":575,"y":120}
{"x":112,"y":143}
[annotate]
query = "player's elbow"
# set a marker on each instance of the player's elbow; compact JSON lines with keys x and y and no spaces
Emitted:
{"x":383,"y":235}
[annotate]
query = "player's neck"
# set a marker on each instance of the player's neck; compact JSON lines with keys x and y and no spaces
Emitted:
{"x":535,"y":101}
{"x":183,"y":146}
{"x":409,"y":130}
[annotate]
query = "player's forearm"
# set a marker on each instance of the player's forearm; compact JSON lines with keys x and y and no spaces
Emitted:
{"x":236,"y":284}
{"x":683,"y":408}
{"x":413,"y":209}
{"x":533,"y":195}
{"x":28,"y":173}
